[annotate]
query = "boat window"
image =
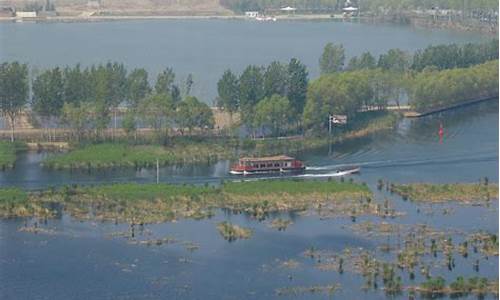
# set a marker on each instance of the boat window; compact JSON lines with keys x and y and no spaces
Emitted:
{"x":262,"y":165}
{"x":276,"y":164}
{"x":269,"y":165}
{"x":286,"y":164}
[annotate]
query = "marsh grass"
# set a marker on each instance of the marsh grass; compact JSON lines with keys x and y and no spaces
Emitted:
{"x":152,"y":203}
{"x":434,"y":193}
{"x":301,"y":290}
{"x":109,"y":155}
{"x":232,"y":232}
{"x":17,"y":203}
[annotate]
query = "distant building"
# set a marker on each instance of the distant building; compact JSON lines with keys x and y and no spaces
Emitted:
{"x":26,"y":14}
{"x":251,"y":14}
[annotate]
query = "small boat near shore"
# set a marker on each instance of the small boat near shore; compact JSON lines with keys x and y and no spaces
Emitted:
{"x":268,"y":164}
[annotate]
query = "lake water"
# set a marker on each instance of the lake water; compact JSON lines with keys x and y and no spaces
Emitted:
{"x":205,"y":48}
{"x":85,"y":260}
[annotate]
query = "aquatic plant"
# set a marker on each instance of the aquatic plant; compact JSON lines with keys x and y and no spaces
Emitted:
{"x":280,"y":224}
{"x":232,"y":232}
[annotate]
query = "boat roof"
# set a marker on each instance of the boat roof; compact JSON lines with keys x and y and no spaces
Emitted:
{"x":267,"y":158}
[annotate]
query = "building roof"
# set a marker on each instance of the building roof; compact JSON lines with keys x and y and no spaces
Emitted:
{"x":267,"y":158}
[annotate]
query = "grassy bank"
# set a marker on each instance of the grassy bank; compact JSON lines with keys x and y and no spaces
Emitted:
{"x":148,"y":203}
{"x":110,"y":155}
{"x":435,"y":193}
{"x":8,"y":152}
{"x":200,"y":150}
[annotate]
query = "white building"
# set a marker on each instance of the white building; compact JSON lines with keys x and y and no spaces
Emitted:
{"x":251,"y":14}
{"x":26,"y":14}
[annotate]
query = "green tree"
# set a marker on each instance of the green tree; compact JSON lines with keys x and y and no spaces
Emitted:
{"x":77,"y":84}
{"x":273,"y":112}
{"x":251,"y":92}
{"x":275,"y":79}
{"x":191,"y":113}
{"x":394,"y":60}
{"x":48,"y":94}
{"x":228,"y":90}
{"x":129,"y":124}
{"x":189,"y":84}
{"x":13,"y":91}
{"x":342,"y":93}
{"x":332,"y":60}
{"x":365,"y":61}
{"x":157,"y":111}
{"x":78,"y":117}
{"x":165,"y":84}
{"x":297,"y":86}
{"x":138,"y":86}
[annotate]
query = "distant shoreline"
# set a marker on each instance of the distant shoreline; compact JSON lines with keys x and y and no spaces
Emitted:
{"x":414,"y":22}
{"x":80,"y":18}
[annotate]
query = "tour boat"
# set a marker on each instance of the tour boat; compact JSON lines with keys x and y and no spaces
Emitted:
{"x":269,"y":164}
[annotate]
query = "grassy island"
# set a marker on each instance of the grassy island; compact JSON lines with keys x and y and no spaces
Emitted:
{"x":110,"y":155}
{"x":434,"y":193}
{"x":149,"y":203}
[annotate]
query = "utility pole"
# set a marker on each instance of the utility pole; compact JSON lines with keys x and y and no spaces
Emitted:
{"x":157,"y":171}
{"x":330,"y":123}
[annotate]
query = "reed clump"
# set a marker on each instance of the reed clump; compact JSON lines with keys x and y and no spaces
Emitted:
{"x":232,"y":232}
{"x":434,"y":193}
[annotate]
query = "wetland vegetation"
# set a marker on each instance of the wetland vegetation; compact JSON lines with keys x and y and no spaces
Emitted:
{"x":152,"y":203}
{"x":466,"y":193}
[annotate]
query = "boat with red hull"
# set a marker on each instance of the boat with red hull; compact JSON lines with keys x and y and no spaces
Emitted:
{"x":268,"y":164}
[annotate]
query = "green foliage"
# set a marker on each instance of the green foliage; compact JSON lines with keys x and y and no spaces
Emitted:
{"x":435,"y":89}
{"x":48,"y":93}
{"x":79,"y":117}
{"x":394,"y":60}
{"x":12,"y":196}
{"x":129,"y":123}
{"x":251,"y":92}
{"x":8,"y":153}
{"x":275,"y":79}
{"x":158,"y":112}
{"x":109,"y":155}
{"x":77,"y":84}
{"x":13,"y":91}
{"x":165,"y":85}
{"x":138,"y":86}
{"x":291,"y":187}
{"x":136,"y":192}
{"x":434,"y":284}
{"x":342,"y":93}
{"x":365,"y":61}
{"x":191,"y":113}
{"x":273,"y":112}
{"x":297,"y":86}
{"x":333,"y":58}
{"x":455,"y":56}
{"x":228,"y":89}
